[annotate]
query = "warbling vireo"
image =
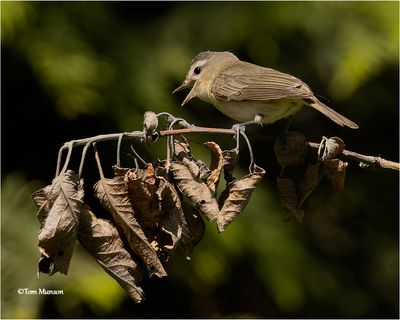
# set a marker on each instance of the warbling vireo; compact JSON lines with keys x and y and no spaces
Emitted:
{"x":247,"y":92}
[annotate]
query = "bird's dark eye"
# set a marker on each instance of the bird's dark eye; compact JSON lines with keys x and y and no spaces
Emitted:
{"x":197,"y":70}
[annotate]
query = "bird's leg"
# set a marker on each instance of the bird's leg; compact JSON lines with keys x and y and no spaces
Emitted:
{"x":258,"y":119}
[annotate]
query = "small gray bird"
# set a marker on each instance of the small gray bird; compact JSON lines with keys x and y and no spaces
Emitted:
{"x":247,"y":92}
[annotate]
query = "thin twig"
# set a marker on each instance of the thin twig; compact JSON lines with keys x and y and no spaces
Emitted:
{"x":83,"y":158}
{"x":96,"y":155}
{"x":60,"y":152}
{"x":119,"y":149}
{"x":105,"y":137}
{"x":68,"y":146}
{"x":197,"y":130}
{"x":364,"y":160}
{"x":136,"y":155}
{"x":249,"y":148}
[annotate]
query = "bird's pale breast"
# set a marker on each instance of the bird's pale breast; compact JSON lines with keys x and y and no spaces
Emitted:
{"x":270,"y":111}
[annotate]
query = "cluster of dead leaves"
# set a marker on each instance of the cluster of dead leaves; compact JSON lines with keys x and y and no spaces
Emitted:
{"x":291,"y":151}
{"x":152,"y":212}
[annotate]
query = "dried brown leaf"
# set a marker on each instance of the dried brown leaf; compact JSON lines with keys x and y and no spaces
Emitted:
{"x":311,"y":178}
{"x":289,"y":202}
{"x":197,"y":191}
{"x":335,"y":170}
{"x":172,"y":217}
{"x":331,"y":148}
{"x":291,"y":149}
{"x":239,"y":193}
{"x":230,"y":161}
{"x":158,"y":208}
{"x":217,"y":162}
{"x":197,"y":168}
{"x":193,"y":229}
{"x":114,"y":197}
{"x":41,"y":198}
{"x":58,"y":214}
{"x":182,"y":149}
{"x":142,"y":186}
{"x":101,"y":239}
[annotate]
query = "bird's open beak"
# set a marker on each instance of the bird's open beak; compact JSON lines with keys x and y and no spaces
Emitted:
{"x":191,"y":95}
{"x":186,"y":84}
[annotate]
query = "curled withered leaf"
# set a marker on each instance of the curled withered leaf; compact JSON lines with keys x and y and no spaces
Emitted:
{"x":203,"y":171}
{"x":217,"y":162}
{"x":101,"y":239}
{"x":161,"y":169}
{"x":114,"y":197}
{"x":58,"y":214}
{"x":172,"y":218}
{"x":330,"y":148}
{"x":197,"y":191}
{"x":335,"y":170}
{"x":289,"y":202}
{"x":239,"y":193}
{"x":291,"y":149}
{"x":182,"y":149}
{"x":142,"y":185}
{"x":157,"y":207}
{"x":198,"y":168}
{"x":311,"y":178}
{"x":193,"y":229}
{"x":41,"y":198}
{"x":230,"y":158}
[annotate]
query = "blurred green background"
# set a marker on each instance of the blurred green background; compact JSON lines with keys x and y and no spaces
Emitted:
{"x":77,"y":69}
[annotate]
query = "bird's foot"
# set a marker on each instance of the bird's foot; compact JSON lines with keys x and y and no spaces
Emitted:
{"x":258,"y":119}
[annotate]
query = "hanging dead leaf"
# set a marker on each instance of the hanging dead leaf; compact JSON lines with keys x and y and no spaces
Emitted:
{"x":197,"y":168}
{"x":197,"y":191}
{"x":239,"y":193}
{"x":101,"y":239}
{"x":311,"y":178}
{"x":114,"y":197}
{"x":161,"y":169}
{"x":291,"y":149}
{"x":142,"y":186}
{"x":335,"y":170}
{"x":289,"y":202}
{"x":230,"y":158}
{"x":41,"y":198}
{"x":157,"y":207}
{"x":330,"y":148}
{"x":230,"y":161}
{"x":182,"y":148}
{"x":193,"y":229}
{"x":172,"y":215}
{"x":217,"y":162}
{"x":58,"y":214}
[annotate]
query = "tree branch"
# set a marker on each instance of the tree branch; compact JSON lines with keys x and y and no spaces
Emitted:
{"x":364,"y":160}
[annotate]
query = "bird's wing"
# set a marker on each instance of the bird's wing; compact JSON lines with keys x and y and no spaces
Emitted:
{"x":251,"y":82}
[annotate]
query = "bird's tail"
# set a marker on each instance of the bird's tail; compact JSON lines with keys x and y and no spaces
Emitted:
{"x":333,"y":115}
